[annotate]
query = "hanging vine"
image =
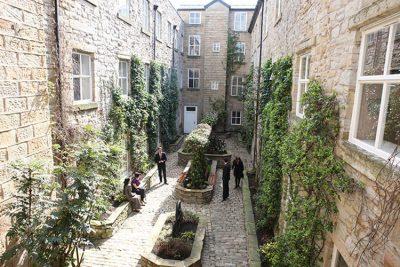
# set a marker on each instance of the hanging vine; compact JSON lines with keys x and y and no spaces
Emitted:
{"x":315,"y":179}
{"x":274,"y":129}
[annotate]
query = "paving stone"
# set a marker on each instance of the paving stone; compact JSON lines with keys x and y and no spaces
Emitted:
{"x":225,"y":242}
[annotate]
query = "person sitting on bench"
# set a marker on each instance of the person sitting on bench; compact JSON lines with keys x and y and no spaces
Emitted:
{"x":137,"y":188}
{"x":132,"y":198}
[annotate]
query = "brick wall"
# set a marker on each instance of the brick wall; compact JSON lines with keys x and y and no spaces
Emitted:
{"x":24,"y":109}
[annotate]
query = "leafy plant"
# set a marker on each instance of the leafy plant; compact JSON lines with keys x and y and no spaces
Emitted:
{"x":249,"y":99}
{"x":274,"y":129}
{"x":189,"y":235}
{"x":210,"y":118}
{"x":28,"y":209}
{"x":216,"y":145}
{"x":315,"y":176}
{"x":154,"y":99}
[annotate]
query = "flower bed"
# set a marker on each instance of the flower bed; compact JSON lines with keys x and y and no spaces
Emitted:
{"x":196,"y":196}
{"x":150,"y":259}
{"x":107,"y":227}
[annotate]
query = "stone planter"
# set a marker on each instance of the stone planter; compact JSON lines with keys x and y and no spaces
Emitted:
{"x":197,"y":196}
{"x":106,"y":228}
{"x":149,"y":259}
{"x":183,"y":158}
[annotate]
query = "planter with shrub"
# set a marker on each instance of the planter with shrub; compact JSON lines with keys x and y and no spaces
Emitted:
{"x":176,"y":242}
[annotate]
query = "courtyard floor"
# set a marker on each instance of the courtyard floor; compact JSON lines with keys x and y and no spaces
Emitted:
{"x":226,"y":239}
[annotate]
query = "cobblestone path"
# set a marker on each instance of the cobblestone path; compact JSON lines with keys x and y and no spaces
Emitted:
{"x":225,"y":242}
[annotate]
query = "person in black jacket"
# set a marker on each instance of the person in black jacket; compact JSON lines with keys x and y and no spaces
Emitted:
{"x":238,"y":168}
{"x":225,"y":179}
{"x":160,"y":158}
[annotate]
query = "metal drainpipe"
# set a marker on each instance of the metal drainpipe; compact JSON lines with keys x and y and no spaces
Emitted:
{"x":155,"y":7}
{"x":173,"y":46}
{"x":58,"y":64}
{"x":255,"y":162}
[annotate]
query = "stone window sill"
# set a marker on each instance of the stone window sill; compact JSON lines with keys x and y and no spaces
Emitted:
{"x":190,"y":56}
{"x":93,"y":2}
{"x":193,"y":89}
{"x":124,"y":19}
{"x":159,"y":40}
{"x":85,"y":106}
{"x":277,"y":20}
{"x":169,"y":45}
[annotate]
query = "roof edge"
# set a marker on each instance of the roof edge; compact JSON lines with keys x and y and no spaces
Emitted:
{"x":260,"y":3}
{"x":214,"y":1}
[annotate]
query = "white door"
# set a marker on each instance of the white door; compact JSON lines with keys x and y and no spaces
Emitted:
{"x":190,"y":118}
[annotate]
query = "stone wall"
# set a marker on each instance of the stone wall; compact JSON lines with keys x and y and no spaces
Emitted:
{"x":24,"y":109}
{"x":95,"y":28}
{"x":216,"y":21}
{"x":330,"y":31}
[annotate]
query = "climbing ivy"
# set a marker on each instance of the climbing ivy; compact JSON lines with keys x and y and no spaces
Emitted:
{"x":315,"y":178}
{"x":169,"y":106}
{"x":154,"y":101}
{"x":274,"y":129}
{"x":249,"y":109}
{"x":266,"y":88}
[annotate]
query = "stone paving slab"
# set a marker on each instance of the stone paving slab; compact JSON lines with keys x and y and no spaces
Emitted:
{"x":226,"y":239}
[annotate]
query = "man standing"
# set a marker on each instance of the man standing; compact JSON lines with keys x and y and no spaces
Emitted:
{"x":225,"y":179}
{"x":160,"y":158}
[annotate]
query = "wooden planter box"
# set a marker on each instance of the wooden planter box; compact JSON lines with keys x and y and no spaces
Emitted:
{"x":149,"y":259}
{"x":196,"y":196}
{"x":106,"y":228}
{"x":183,"y":158}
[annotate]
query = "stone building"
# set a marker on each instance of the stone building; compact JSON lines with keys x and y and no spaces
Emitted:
{"x":204,"y":68}
{"x":80,"y":47}
{"x":353,"y":48}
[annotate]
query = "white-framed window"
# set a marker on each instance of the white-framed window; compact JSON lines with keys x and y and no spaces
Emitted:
{"x":182,"y":43}
{"x":216,"y":47}
{"x":194,"y":78}
{"x":236,"y":118}
{"x":170,"y":32}
{"x":146,"y":76}
{"x":82,"y":77}
{"x":176,"y":40}
{"x":236,"y":85}
{"x":123,"y":9}
{"x":302,"y":85}
{"x":123,"y":76}
{"x":158,"y":24}
{"x":375,"y":124}
{"x":194,"y":45}
{"x":240,"y":23}
{"x":240,"y":50}
{"x":214,"y":85}
{"x":146,"y":16}
{"x":278,"y":9}
{"x":194,"y":18}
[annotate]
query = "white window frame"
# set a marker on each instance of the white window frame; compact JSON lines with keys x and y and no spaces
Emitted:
{"x":158,"y":25}
{"x":123,"y":9}
{"x":170,"y":33}
{"x":236,"y":86}
{"x":278,"y":10}
{"x":146,"y":16}
{"x":193,"y":20}
{"x":216,"y":48}
{"x":384,"y":79}
{"x":123,"y":79}
{"x":301,"y":81}
{"x":80,"y":76}
{"x":240,"y":50}
{"x":147,"y":76}
{"x":240,"y":25}
{"x":195,"y":47}
{"x":236,"y":117}
{"x":193,"y":78}
{"x":214,"y":85}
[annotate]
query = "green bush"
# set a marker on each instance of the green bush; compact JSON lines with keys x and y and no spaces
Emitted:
{"x":216,"y":145}
{"x":210,"y":118}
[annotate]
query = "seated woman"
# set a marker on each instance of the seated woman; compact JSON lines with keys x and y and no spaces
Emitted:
{"x":135,"y":201}
{"x":136,"y":188}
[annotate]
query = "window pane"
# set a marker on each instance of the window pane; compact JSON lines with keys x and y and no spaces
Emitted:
{"x":391,"y":136}
{"x":302,"y":90}
{"x":375,"y":52}
{"x":85,"y":88}
{"x":190,"y":73}
{"x":371,"y":95}
{"x":75,"y":64}
{"x":395,"y":64}
{"x":77,"y":89}
{"x":303,"y":68}
{"x":191,"y":83}
{"x":85,"y":65}
{"x":196,"y":83}
{"x":124,"y":85}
